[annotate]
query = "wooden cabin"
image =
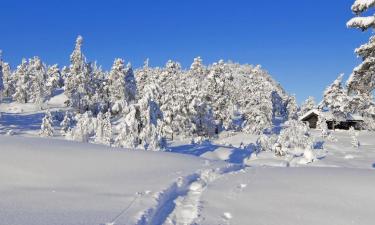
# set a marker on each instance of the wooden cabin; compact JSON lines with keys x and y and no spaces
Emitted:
{"x":351,"y":120}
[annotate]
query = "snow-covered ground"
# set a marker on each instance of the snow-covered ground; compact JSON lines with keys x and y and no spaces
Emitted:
{"x":49,"y":181}
{"x":291,"y":196}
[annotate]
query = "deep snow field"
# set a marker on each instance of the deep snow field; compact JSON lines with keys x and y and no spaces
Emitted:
{"x":50,"y":181}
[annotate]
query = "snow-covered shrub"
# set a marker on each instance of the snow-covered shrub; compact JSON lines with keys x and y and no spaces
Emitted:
{"x":84,"y":128}
{"x":46,"y":129}
{"x":103,"y":128}
{"x":295,"y":135}
{"x":322,"y":125}
{"x":266,"y":142}
{"x":354,"y":138}
{"x":67,"y":123}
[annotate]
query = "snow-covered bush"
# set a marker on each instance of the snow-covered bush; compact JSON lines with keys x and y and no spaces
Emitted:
{"x":84,"y":128}
{"x":46,"y":129}
{"x":354,"y":138}
{"x":67,"y":123}
{"x":103,"y":128}
{"x":322,"y":125}
{"x":295,"y":135}
{"x":266,"y":142}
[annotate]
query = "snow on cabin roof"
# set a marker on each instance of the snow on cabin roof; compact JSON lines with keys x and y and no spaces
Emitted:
{"x":329,"y":116}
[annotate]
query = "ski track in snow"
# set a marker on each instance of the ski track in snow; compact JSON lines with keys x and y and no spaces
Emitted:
{"x":184,"y":205}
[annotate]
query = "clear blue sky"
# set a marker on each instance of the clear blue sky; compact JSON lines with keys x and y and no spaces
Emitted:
{"x":304,"y":44}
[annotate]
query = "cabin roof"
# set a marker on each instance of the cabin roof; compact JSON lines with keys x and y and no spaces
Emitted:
{"x":330,"y":117}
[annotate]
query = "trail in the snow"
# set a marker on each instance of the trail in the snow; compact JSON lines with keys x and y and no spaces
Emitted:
{"x":179,"y":203}
{"x":186,"y":209}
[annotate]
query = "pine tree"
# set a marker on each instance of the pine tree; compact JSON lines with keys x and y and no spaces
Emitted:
{"x":22,"y":83}
{"x":130,"y":84}
{"x":84,"y":128}
{"x":307,"y":105}
{"x":8,"y":80}
{"x":292,"y":108}
{"x":335,"y":98}
{"x":362,"y":80}
{"x":322,"y":125}
{"x":38,"y":79}
{"x":128,"y":136}
{"x":354,"y":136}
{"x":79,"y":81}
{"x":151,"y":117}
{"x":46,"y":129}
{"x":67,"y":123}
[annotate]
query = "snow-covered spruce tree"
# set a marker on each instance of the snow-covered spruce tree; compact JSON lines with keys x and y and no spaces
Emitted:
{"x":292,"y":108}
{"x":354,"y":137}
{"x":84,"y":128}
{"x":67,"y":123}
{"x":151,"y":117}
{"x":202,"y":118}
{"x":219,"y":78}
{"x":38,"y":78}
{"x":362,"y":80}
{"x":335,"y":98}
{"x":128,"y":136}
{"x":8,"y":80}
{"x":54,"y":80}
{"x":130,"y":84}
{"x":197,"y":68}
{"x":307,"y":105}
{"x":322,"y":125}
{"x":116,"y":86}
{"x":266,"y":142}
{"x":295,"y":135}
{"x":46,"y":129}
{"x":22,"y":83}
{"x":79,"y":81}
{"x":103,"y":128}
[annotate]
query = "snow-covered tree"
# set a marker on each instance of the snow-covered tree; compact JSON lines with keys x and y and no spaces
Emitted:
{"x":354,"y":138}
{"x":322,"y":125}
{"x":8,"y":80}
{"x":362,"y":80}
{"x":197,"y":68}
{"x":22,"y":79}
{"x":79,"y":81}
{"x":38,"y":79}
{"x":335,"y":97}
{"x":54,"y":79}
{"x":84,"y":128}
{"x":46,"y":129}
{"x":130,"y":84}
{"x":295,"y":135}
{"x":202,"y":118}
{"x":292,"y":108}
{"x":103,"y":131}
{"x":307,"y":105}
{"x":151,"y":117}
{"x":67,"y":123}
{"x":116,"y":85}
{"x":128,"y":136}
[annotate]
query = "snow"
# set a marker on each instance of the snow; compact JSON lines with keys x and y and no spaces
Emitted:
{"x":48,"y":181}
{"x":362,"y":5}
{"x":361,"y":22}
{"x":286,"y":196}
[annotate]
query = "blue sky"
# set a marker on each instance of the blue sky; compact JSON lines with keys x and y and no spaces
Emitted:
{"x":303,"y":44}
